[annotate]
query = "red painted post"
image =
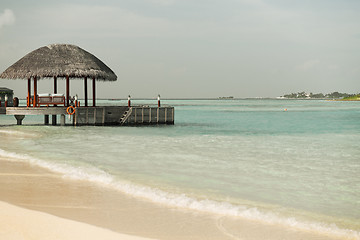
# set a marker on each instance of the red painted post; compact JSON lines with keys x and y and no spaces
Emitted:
{"x":159,"y":100}
{"x":35,"y":92}
{"x":129,"y":101}
{"x":28,"y":103}
{"x":67,"y":91}
{"x":6,"y":100}
{"x":94,"y":93}
{"x":76,"y":100}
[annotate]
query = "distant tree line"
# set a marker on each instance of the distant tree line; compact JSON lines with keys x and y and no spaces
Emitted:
{"x":334,"y":95}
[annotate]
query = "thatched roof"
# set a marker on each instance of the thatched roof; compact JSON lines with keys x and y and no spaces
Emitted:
{"x":59,"y":60}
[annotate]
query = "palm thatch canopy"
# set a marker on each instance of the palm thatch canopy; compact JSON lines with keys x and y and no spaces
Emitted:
{"x":59,"y":60}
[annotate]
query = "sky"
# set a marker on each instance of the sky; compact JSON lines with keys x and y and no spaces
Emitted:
{"x":194,"y":48}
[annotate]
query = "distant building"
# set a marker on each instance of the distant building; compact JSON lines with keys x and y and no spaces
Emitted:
{"x":6,"y":92}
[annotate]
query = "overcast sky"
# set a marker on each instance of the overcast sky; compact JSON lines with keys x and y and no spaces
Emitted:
{"x":195,"y":48}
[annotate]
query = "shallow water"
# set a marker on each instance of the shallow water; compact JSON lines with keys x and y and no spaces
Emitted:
{"x":247,"y":158}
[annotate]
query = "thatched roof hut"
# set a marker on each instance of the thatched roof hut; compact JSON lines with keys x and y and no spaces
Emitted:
{"x":59,"y":60}
{"x":9,"y":93}
{"x":4,"y":90}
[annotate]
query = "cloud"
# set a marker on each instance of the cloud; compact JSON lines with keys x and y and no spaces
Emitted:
{"x":333,"y":67}
{"x":308,"y":65}
{"x":162,"y":2}
{"x":7,"y":18}
{"x":107,"y":21}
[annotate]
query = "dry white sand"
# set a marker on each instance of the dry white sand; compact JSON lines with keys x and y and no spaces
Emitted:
{"x":22,"y":224}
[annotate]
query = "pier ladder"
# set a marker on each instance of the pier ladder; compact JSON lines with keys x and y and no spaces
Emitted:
{"x":125,"y":116}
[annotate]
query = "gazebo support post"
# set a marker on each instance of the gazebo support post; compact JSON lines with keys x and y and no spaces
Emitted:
{"x":85,"y":92}
{"x":67,"y":91}
{"x":55,"y":84}
{"x":28,"y":102}
{"x":35,"y":92}
{"x":53,"y":117}
{"x":94,"y":92}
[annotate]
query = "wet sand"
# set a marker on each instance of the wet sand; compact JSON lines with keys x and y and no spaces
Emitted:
{"x":38,"y":189}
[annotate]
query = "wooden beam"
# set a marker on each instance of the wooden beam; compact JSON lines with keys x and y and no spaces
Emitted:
{"x":94,"y":92}
{"x":35,"y":92}
{"x":67,"y":91}
{"x":86,"y":91}
{"x":55,"y":91}
{"x":55,"y":84}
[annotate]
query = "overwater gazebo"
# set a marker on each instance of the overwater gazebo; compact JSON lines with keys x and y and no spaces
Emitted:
{"x":59,"y":61}
{"x":71,"y":62}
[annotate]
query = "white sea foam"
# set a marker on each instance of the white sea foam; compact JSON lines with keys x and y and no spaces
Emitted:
{"x":180,"y":200}
{"x":16,"y":133}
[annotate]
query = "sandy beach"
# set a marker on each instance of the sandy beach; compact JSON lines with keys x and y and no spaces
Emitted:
{"x":87,"y":211}
{"x":179,"y":120}
{"x":37,"y":189}
{"x":19,"y":223}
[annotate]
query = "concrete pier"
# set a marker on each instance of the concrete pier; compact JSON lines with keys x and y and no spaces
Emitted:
{"x":46,"y":119}
{"x":145,"y":115}
{"x":53,"y":120}
{"x":100,"y":115}
{"x":62,"y":120}
{"x":123,"y":115}
{"x":19,"y":119}
{"x":20,"y":113}
{"x":35,"y":110}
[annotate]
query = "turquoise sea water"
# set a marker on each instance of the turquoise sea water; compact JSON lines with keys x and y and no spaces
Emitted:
{"x":246,"y":158}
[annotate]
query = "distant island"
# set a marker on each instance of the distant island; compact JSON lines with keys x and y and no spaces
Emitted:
{"x":229,"y":97}
{"x":334,"y":95}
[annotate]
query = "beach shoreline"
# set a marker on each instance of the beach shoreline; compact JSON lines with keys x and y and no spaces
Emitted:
{"x":38,"y":189}
{"x":20,"y":223}
{"x":26,"y":215}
